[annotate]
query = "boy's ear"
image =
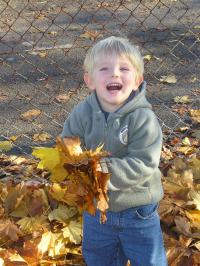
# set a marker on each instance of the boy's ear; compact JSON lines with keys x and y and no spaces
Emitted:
{"x":140,"y":80}
{"x":88,"y":81}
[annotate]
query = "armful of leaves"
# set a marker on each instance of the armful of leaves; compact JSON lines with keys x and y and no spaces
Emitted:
{"x":75,"y":172}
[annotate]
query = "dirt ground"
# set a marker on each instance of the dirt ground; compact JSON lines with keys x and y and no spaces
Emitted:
{"x":43,"y":44}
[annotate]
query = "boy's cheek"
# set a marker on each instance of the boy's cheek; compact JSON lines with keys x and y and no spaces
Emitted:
{"x":89,"y":81}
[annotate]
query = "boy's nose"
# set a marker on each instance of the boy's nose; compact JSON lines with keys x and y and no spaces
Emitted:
{"x":115,"y":73}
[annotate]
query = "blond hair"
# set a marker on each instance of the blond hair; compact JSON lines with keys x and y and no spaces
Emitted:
{"x":117,"y":46}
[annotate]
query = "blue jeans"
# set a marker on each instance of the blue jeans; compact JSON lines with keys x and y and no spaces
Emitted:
{"x":133,"y":234}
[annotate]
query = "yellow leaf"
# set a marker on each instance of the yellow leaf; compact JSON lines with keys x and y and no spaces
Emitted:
{"x":186,"y":150}
{"x":30,"y":224}
{"x":194,"y":199}
{"x":147,"y":57}
{"x":53,"y":243}
{"x":168,"y":79}
{"x":42,"y":54}
{"x":14,"y":138}
{"x":41,"y":137}
{"x":6,"y":145}
{"x":195,"y":115}
{"x":49,"y":157}
{"x":58,"y":174}
{"x":194,"y":215}
{"x":16,"y":258}
{"x":182,"y":99}
{"x":57,"y":192}
{"x":73,"y":232}
{"x":186,"y":141}
{"x":30,"y":115}
{"x":62,"y":213}
{"x":53,"y":33}
{"x":197,"y":27}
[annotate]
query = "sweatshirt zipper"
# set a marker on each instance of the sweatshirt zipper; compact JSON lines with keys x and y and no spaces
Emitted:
{"x":106,"y":135}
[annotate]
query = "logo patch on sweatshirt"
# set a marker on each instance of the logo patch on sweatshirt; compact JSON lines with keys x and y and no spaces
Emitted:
{"x":123,"y":135}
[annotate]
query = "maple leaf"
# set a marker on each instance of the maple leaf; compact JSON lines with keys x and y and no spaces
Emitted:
{"x":194,"y":199}
{"x":73,"y":232}
{"x":49,"y":157}
{"x":9,"y":230}
{"x":30,"y":224}
{"x":29,"y":252}
{"x":53,"y":243}
{"x":63,"y":213}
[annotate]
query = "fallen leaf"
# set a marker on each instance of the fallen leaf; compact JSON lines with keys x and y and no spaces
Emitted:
{"x":9,"y":230}
{"x":42,"y":54}
{"x":186,"y":141}
{"x":6,"y":145}
{"x":62,"y":213}
{"x":62,"y":98}
{"x":182,"y":99}
{"x":195,"y":115}
{"x":14,"y":138}
{"x":30,"y":224}
{"x":196,"y":134}
{"x":168,"y":79}
{"x":73,"y":231}
{"x":147,"y":57}
{"x":91,"y":35}
{"x":30,"y":115}
{"x":53,"y":33}
{"x":41,"y":137}
{"x":53,"y":243}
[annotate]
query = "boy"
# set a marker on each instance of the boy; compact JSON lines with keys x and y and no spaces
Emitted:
{"x":118,"y":115}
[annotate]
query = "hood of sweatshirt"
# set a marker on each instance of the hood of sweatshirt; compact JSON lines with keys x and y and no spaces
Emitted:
{"x":138,"y":101}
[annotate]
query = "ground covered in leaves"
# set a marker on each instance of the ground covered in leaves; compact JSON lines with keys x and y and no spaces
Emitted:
{"x":41,"y":200}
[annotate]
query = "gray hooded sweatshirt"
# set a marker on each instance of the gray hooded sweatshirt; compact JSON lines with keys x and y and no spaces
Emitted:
{"x":133,"y":138}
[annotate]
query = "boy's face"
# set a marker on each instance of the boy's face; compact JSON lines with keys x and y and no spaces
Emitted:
{"x":113,"y":78}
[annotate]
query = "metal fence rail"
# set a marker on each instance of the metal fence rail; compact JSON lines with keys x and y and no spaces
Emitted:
{"x":43,"y":44}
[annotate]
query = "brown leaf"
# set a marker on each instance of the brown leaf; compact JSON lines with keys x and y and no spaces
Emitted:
{"x":10,"y":230}
{"x":14,"y":197}
{"x":63,"y":98}
{"x":195,"y":115}
{"x":30,"y":115}
{"x":41,"y":137}
{"x":91,"y":35}
{"x":30,"y":253}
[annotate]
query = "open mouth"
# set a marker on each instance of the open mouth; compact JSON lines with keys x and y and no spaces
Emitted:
{"x":114,"y":87}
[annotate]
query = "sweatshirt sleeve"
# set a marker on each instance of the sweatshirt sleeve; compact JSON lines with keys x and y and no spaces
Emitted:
{"x":143,"y":156}
{"x":73,"y":125}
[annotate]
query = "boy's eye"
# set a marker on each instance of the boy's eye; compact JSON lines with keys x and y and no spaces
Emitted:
{"x":103,"y":68}
{"x":125,"y":69}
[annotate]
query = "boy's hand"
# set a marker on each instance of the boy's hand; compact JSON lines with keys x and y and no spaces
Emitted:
{"x":102,"y":166}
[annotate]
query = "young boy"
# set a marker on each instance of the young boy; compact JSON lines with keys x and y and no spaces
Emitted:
{"x":118,"y":115}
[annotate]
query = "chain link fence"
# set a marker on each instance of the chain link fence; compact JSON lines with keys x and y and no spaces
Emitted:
{"x":42,"y":48}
